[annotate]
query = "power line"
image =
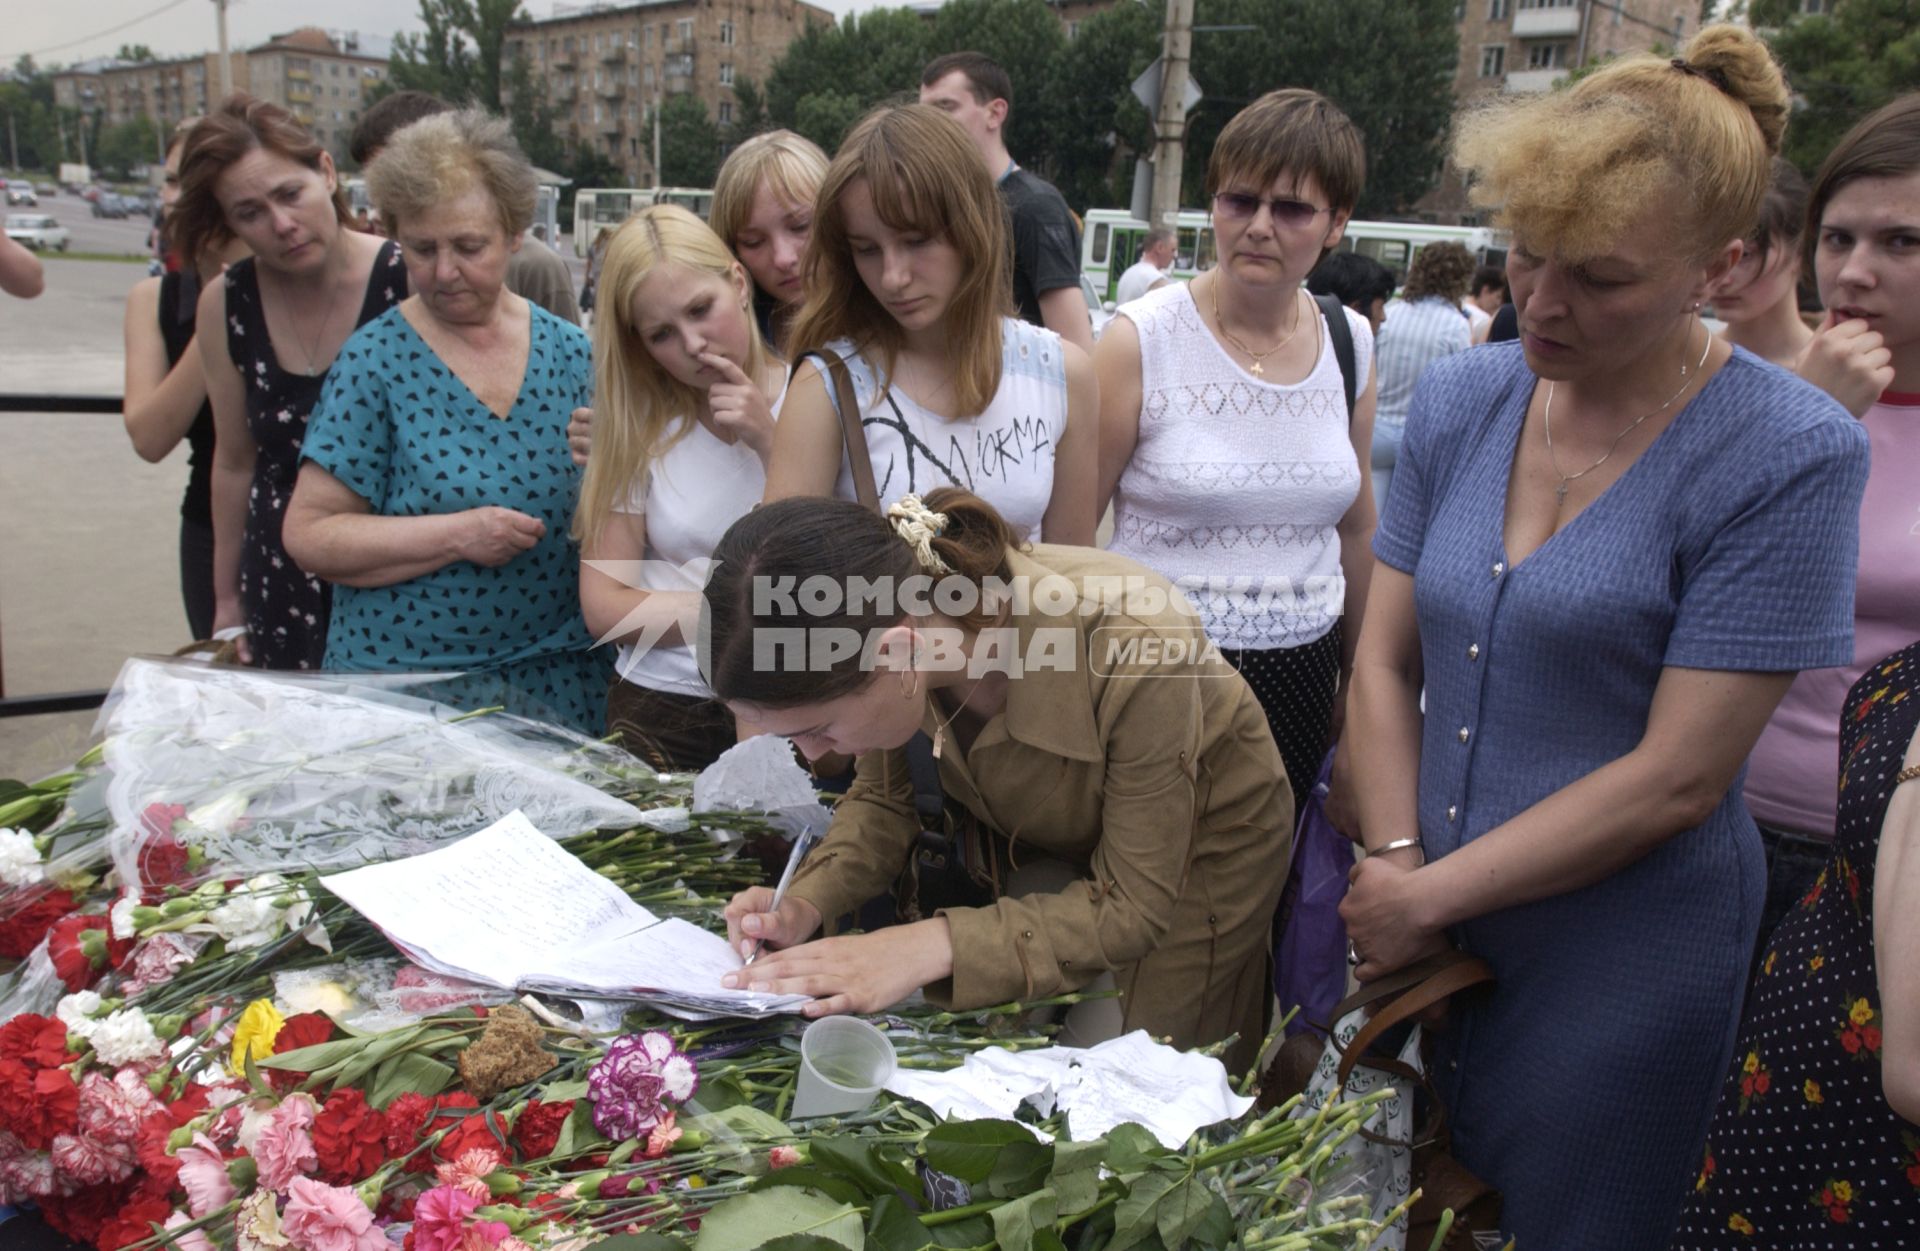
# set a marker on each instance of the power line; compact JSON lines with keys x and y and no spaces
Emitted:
{"x":111,"y":30}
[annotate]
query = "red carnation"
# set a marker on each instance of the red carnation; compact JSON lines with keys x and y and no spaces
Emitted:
{"x":81,"y":1214}
{"x":78,"y":959}
{"x":308,"y":1029}
{"x":406,"y":1116}
{"x":21,"y":932}
{"x":132,"y":1223}
{"x":162,"y":858}
{"x":39,"y":1042}
{"x":538,"y":1131}
{"x":350,"y":1139}
{"x":34,"y":1106}
{"x":467,"y":1132}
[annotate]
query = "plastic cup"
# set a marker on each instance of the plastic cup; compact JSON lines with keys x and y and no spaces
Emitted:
{"x":843,"y":1064}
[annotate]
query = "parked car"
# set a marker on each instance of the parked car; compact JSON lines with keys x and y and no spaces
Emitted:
{"x":19,"y":192}
{"x":110,"y":205}
{"x":38,"y":231}
{"x":45,"y":189}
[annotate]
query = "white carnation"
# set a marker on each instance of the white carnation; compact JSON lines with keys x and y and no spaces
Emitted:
{"x":125,"y":1037}
{"x":76,"y":1012}
{"x":121,"y":915}
{"x":20,"y":863}
{"x":250,"y":917}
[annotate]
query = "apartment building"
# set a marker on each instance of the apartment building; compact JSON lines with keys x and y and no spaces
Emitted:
{"x":603,"y":67}
{"x":1520,"y":46}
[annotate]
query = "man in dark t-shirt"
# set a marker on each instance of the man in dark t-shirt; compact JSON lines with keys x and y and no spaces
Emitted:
{"x":974,"y":91}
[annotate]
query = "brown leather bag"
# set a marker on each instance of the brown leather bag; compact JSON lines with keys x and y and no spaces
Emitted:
{"x":851,"y":430}
{"x":1444,"y":1183}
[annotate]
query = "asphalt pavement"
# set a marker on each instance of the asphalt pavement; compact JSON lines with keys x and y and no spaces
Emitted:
{"x":125,"y":236}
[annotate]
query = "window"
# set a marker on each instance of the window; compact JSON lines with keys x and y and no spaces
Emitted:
{"x":1550,"y":4}
{"x":646,"y":76}
{"x":1547,"y":56}
{"x":1493,"y":60}
{"x":726,"y":32}
{"x":726,"y":74}
{"x":646,"y":36}
{"x":686,"y":29}
{"x":726,"y":112}
{"x":1460,"y":12}
{"x":1073,"y":29}
{"x":1499,"y":10}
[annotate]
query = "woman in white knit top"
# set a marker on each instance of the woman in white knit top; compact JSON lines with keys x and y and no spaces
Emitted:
{"x":1226,"y":446}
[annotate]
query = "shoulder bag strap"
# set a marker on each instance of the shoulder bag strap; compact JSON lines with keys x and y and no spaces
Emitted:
{"x":851,"y":430}
{"x":1460,"y":972}
{"x":1341,"y":336}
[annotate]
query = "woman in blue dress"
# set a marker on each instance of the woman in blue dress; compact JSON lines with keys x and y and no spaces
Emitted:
{"x":437,"y":487}
{"x":1613,"y":544}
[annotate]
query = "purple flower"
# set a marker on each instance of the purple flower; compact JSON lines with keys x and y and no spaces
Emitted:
{"x":634,"y":1081}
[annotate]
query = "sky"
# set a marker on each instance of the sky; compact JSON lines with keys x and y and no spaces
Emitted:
{"x":62,"y":34}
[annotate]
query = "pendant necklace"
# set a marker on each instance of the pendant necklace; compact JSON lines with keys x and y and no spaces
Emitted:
{"x":1568,"y":479}
{"x":1213,"y":293}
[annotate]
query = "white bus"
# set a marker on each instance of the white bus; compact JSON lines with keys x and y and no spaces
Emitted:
{"x":596,"y":208}
{"x":546,"y":209}
{"x":1111,"y":241}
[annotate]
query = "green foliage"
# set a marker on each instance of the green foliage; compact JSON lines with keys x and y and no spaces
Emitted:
{"x":459,"y":55}
{"x":534,"y":120}
{"x":1842,"y":66}
{"x":41,"y":135}
{"x":831,"y":75}
{"x":757,"y":1219}
{"x":126,"y":145}
{"x":689,"y":143}
{"x":1097,"y":124}
{"x":138,"y":52}
{"x":749,"y":111}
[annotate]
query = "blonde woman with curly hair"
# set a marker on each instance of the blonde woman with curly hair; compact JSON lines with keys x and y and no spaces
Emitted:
{"x":907,"y":281}
{"x":763,"y":211}
{"x":1608,"y":548}
{"x":685,"y":394}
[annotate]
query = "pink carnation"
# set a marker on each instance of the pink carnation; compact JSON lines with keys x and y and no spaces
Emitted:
{"x":783,"y":1157}
{"x":189,"y":1239}
{"x":24,"y":1174}
{"x":440,"y":1221}
{"x":284,"y":1150}
{"x":111,"y":1109}
{"x":154,"y":962}
{"x":469,"y":1172}
{"x":79,"y":1161}
{"x":203,"y":1175}
{"x":319,"y":1217}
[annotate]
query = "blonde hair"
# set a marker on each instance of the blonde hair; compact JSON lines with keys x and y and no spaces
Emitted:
{"x":1569,"y":172}
{"x":639,"y":409}
{"x":445,"y":155}
{"x":791,"y":165}
{"x":925,"y":175}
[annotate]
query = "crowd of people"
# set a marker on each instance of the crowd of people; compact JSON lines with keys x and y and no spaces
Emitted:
{"x":1608,"y":623}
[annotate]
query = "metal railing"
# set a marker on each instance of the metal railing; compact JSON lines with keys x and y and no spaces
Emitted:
{"x":64,"y":701}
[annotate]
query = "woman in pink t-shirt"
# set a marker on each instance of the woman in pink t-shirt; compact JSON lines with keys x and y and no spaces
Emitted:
{"x":1865,"y":217}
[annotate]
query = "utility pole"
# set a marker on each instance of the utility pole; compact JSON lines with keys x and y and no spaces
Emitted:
{"x":13,"y":142}
{"x":1170,"y":120}
{"x":656,"y":138}
{"x":226,"y":62}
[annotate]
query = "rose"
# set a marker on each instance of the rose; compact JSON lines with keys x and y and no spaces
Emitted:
{"x":327,"y":1218}
{"x":537,"y":1132}
{"x":349,"y":1139}
{"x":284,"y":1149}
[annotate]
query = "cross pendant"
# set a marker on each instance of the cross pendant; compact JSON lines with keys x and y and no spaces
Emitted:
{"x":1560,"y":494}
{"x":1257,"y":369}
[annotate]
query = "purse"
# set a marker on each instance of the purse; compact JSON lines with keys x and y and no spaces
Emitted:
{"x":1389,"y":1155}
{"x":954,"y":862}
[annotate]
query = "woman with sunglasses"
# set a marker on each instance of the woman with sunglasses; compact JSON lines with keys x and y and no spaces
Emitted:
{"x":1226,"y":446}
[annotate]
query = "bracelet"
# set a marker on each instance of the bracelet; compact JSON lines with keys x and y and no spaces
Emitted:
{"x":1907,"y":774}
{"x":1398,"y":844}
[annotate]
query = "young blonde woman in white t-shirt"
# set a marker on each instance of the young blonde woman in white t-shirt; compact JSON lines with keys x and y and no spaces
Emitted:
{"x":907,"y":280}
{"x":685,"y":396}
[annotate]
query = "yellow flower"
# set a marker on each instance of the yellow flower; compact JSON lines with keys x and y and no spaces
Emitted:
{"x":1740,"y":1224}
{"x":1752,"y":1064}
{"x":1862,"y":1012}
{"x":254,"y":1033}
{"x":1812,"y":1091}
{"x":1817,"y":963}
{"x":1843,"y":1191}
{"x":1772,"y":956}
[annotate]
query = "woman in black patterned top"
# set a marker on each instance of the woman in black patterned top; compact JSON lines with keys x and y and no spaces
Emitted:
{"x":1814,"y":1144}
{"x":268,"y":335}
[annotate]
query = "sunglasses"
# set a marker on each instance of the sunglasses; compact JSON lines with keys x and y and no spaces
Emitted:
{"x":1292,"y":214}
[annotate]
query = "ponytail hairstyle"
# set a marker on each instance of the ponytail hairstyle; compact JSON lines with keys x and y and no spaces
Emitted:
{"x":752,"y":597}
{"x":239,"y":125}
{"x":1569,"y":172}
{"x":926,"y":177}
{"x":641,"y":410}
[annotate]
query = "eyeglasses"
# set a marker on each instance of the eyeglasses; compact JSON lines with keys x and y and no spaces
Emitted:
{"x":1292,"y":214}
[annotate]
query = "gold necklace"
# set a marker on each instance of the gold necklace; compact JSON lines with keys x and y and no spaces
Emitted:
{"x":299,"y":340}
{"x":1213,"y":294}
{"x":940,"y":731}
{"x":1567,"y":479}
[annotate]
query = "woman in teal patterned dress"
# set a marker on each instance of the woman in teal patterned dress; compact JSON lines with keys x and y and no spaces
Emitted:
{"x":437,"y":487}
{"x":1814,"y":1143}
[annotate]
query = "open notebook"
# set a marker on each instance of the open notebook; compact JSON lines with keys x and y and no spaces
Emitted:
{"x":510,"y":907}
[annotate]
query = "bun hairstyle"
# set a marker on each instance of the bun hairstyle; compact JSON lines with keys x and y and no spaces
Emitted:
{"x":1883,"y":144}
{"x":765,"y":556}
{"x":1570,"y":171}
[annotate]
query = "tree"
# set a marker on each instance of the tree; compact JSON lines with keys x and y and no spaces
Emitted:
{"x":831,"y":75}
{"x":458,"y":56}
{"x":123,"y":147}
{"x":534,"y":120}
{"x":1841,"y":65}
{"x":750,"y":111}
{"x":689,"y":143}
{"x":137,"y":52}
{"x":1098,"y":124}
{"x":1025,"y":37}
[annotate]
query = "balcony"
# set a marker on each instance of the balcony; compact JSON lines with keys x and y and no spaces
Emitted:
{"x":1533,"y":81}
{"x":612,"y":89}
{"x":1547,"y":22}
{"x":679,"y":65}
{"x":565,"y":91}
{"x":299,"y":93}
{"x":615,"y":55}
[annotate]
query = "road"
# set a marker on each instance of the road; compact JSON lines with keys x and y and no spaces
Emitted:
{"x":89,"y":566}
{"x":114,"y":236}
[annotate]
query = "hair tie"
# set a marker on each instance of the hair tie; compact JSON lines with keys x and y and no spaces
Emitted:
{"x":1715,"y":76}
{"x":920,"y":526}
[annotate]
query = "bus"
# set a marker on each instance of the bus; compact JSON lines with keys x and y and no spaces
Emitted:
{"x":1112,"y":239}
{"x":546,"y":209}
{"x":596,"y":208}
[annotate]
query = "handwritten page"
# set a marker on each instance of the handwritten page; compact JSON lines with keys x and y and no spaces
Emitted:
{"x":510,"y":907}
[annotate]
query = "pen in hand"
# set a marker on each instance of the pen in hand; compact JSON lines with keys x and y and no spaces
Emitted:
{"x":801,"y":846}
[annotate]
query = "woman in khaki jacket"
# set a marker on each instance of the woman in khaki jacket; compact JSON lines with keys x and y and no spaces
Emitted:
{"x":1075,"y":710}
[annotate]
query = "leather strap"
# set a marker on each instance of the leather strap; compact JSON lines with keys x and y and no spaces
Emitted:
{"x":851,"y":430}
{"x":1459,"y":972}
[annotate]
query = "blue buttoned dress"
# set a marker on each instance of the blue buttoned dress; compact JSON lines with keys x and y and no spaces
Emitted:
{"x":1582,"y":1085}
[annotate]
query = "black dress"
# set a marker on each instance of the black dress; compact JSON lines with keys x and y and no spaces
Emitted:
{"x":1805,"y":1151}
{"x":286,"y":608}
